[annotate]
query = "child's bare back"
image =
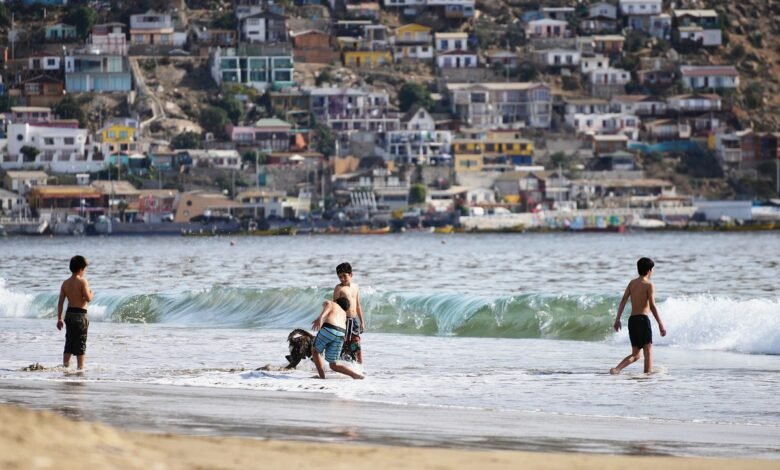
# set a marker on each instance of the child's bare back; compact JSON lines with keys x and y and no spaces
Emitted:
{"x":640,"y":290}
{"x":76,"y":290}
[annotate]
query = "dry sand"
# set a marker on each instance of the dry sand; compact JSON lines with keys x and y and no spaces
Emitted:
{"x":35,"y":439}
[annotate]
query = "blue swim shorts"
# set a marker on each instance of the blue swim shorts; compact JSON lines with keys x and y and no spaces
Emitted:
{"x":329,"y":341}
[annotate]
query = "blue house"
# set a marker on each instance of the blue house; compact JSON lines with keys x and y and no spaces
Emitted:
{"x":97,"y":73}
{"x":60,"y":32}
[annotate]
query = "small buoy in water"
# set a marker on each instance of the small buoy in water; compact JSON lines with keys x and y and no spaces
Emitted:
{"x":443,"y":242}
{"x":232,"y":242}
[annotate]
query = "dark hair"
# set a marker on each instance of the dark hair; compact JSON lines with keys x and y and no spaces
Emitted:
{"x":77,"y":263}
{"x":344,"y":268}
{"x":644,"y":265}
{"x":343,"y":303}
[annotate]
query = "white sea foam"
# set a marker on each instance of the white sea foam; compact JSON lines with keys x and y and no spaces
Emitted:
{"x":718,"y":323}
{"x":14,"y":304}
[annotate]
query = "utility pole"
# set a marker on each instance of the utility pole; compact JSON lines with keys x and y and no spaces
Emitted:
{"x":13,"y":37}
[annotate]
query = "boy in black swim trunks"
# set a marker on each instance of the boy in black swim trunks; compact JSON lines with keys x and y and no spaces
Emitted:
{"x":642,"y":294}
{"x":76,"y":290}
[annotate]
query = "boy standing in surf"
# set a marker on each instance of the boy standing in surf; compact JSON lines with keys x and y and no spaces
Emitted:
{"x":642,"y":294}
{"x":355,"y":324}
{"x":331,"y":325}
{"x":76,"y":290}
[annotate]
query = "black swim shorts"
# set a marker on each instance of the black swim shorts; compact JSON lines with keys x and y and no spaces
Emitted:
{"x":353,"y":334}
{"x":76,"y":326}
{"x":639,"y":330}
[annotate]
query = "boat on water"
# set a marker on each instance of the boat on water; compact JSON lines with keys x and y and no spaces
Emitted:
{"x":25,"y":227}
{"x":444,"y":229}
{"x":640,"y":223}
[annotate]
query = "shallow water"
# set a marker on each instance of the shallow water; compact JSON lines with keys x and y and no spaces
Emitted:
{"x":498,"y":322}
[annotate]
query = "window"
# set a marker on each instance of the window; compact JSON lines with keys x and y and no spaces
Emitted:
{"x":69,"y":140}
{"x":123,"y":134}
{"x":48,"y":141}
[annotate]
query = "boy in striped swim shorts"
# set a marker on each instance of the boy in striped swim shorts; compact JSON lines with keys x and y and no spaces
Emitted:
{"x":331,"y":323}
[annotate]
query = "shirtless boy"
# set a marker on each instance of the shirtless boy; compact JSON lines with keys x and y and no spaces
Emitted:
{"x":355,"y":324}
{"x":642,"y":294}
{"x":331,"y":324}
{"x":76,"y":290}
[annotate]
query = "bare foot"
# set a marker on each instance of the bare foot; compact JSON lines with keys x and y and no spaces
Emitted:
{"x":614,"y":371}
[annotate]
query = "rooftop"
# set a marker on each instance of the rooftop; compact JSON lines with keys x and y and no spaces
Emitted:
{"x":707,"y":70}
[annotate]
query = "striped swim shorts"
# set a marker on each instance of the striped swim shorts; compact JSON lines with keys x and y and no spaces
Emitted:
{"x":329,"y":341}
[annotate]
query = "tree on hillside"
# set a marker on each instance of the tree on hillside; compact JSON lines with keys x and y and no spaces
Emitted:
{"x":414,"y":93}
{"x":82,"y":18}
{"x":214,"y":119}
{"x":186,"y":140}
{"x":324,"y":140}
{"x":233,"y":108}
{"x":67,"y":108}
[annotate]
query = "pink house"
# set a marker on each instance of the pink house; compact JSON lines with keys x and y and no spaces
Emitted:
{"x":547,"y":28}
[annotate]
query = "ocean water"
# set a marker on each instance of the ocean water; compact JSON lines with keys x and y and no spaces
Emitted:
{"x":515,"y":322}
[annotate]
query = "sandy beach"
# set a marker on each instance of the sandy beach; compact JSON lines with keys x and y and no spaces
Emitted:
{"x":39,"y":439}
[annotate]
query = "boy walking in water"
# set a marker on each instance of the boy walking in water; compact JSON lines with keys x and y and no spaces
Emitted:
{"x":355,"y":324}
{"x":331,"y":324}
{"x":642,"y":294}
{"x":76,"y":290}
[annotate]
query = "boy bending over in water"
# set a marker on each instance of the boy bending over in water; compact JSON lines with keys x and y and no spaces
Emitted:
{"x":331,"y":324}
{"x":76,"y":290}
{"x":642,"y":294}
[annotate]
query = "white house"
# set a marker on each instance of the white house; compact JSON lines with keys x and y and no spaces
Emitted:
{"x":641,"y":105}
{"x":547,"y":28}
{"x":224,"y":159}
{"x":558,"y":58}
{"x":10,"y":202}
{"x":45,"y":63}
{"x":457,"y":59}
{"x":602,"y":10}
{"x":709,"y":76}
{"x":574,"y":106}
{"x":418,"y":140}
{"x":62,"y":149}
{"x":610,"y":76}
{"x":695,"y":103}
{"x":20,"y":182}
{"x":699,"y":26}
{"x":445,"y":42}
{"x":608,"y":123}
{"x":638,"y":12}
{"x":597,"y":62}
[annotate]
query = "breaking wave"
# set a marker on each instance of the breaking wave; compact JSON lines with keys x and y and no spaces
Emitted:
{"x":702,"y":322}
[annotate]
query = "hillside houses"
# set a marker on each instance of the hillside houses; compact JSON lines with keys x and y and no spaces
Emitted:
{"x":302,"y":84}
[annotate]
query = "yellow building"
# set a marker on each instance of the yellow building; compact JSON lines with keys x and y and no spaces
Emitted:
{"x":413,"y":41}
{"x":367,"y":58}
{"x":479,"y":150}
{"x":117,"y":137}
{"x":65,"y":198}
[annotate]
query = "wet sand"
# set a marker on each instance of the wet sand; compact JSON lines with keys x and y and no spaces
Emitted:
{"x":40,"y":439}
{"x":321,"y":418}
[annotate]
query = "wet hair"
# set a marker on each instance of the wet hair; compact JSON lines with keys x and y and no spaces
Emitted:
{"x":644,"y":265}
{"x":344,"y":268}
{"x":343,"y":303}
{"x":77,"y":263}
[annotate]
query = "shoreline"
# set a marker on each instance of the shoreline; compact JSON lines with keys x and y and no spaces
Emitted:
{"x":319,"y":417}
{"x":43,"y":439}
